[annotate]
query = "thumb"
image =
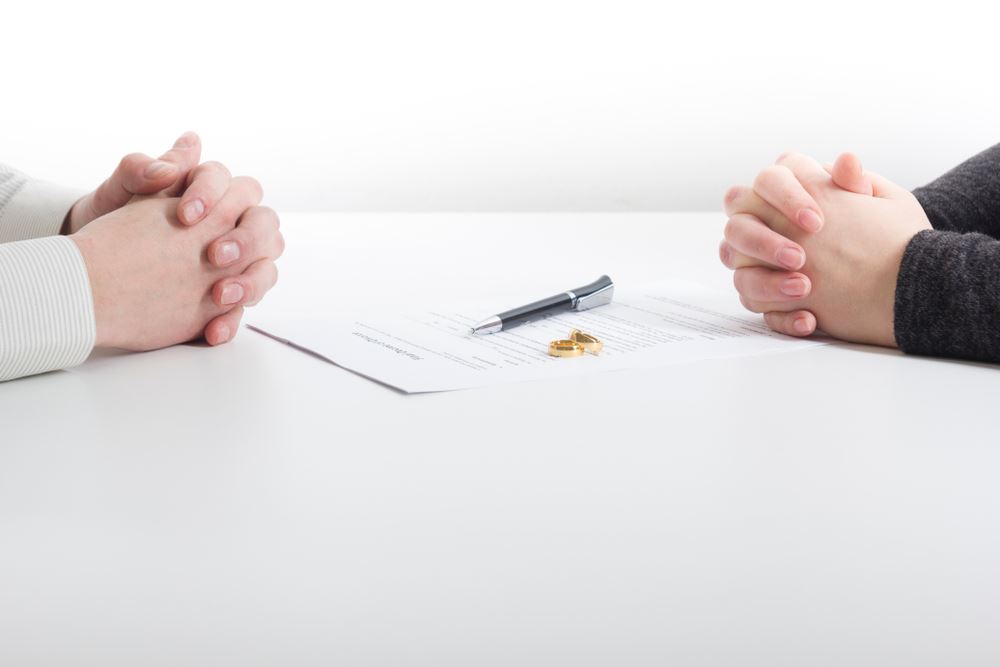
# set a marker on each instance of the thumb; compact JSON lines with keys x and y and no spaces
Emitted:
{"x":848,"y":174}
{"x":136,"y":174}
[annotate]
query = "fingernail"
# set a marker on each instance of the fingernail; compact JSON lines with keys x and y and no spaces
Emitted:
{"x":793,"y":287}
{"x":157,"y":168}
{"x":231,"y":293}
{"x":193,"y":210}
{"x":791,"y":258}
{"x":801,"y":325}
{"x":227,"y":253}
{"x":222,"y":334}
{"x":810,"y":220}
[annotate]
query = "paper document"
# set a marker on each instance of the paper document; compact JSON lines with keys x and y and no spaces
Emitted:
{"x":657,"y":325}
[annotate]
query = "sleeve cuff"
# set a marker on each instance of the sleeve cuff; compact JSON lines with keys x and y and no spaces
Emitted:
{"x":31,"y":209}
{"x":46,"y":307}
{"x":948,"y":296}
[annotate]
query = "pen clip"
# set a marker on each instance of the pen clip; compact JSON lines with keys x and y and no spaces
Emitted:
{"x":598,"y":293}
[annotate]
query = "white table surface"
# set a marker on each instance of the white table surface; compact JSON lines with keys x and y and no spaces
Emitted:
{"x":253,"y":505}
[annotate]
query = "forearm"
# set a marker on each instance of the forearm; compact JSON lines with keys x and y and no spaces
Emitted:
{"x":46,"y":307}
{"x":948,"y":296}
{"x":967,"y":198}
{"x":30,"y":208}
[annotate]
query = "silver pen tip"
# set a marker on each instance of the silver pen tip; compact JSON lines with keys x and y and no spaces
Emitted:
{"x":488,"y":326}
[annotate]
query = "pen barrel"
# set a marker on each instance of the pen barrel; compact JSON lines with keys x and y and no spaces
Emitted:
{"x":537,"y":310}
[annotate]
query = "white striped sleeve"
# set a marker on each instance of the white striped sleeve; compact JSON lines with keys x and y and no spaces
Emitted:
{"x":29,"y":208}
{"x":46,"y":307}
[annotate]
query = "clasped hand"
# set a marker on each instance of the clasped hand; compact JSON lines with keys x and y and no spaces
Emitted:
{"x":819,"y":247}
{"x":174,"y":250}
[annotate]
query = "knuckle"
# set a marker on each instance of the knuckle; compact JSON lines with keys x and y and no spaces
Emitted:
{"x":733,"y":228}
{"x":228,"y":212}
{"x":763,"y":241}
{"x":767,"y":178}
{"x":784,"y":156}
{"x":267,"y":278}
{"x":749,"y":305}
{"x":782,"y":175}
{"x":131,"y":162}
{"x":739,"y":281}
{"x":748,"y":281}
{"x":264,"y":217}
{"x":257,"y":188}
{"x":726,"y":255}
{"x":728,"y":228}
{"x":267,"y":214}
{"x":778,"y":322}
{"x":187,"y":140}
{"x":214,"y":166}
{"x":780,"y":182}
{"x":252,"y":185}
{"x":250,"y":291}
{"x":760,"y":180}
{"x":235,"y":317}
{"x":247,"y":238}
{"x":732,"y":195}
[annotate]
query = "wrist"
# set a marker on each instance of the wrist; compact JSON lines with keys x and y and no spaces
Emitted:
{"x":92,"y":262}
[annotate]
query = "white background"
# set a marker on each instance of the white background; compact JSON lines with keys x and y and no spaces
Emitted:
{"x":497,"y":106}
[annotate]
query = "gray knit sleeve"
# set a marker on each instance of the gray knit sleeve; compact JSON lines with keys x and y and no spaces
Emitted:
{"x":948,"y":288}
{"x":967,"y":198}
{"x":948,"y":296}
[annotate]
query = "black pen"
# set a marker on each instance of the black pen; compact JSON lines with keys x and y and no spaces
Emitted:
{"x":597,"y":293}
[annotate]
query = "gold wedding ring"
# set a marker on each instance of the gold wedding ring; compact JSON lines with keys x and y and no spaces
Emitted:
{"x":574,"y":346}
{"x":565,"y":348}
{"x":586,"y":341}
